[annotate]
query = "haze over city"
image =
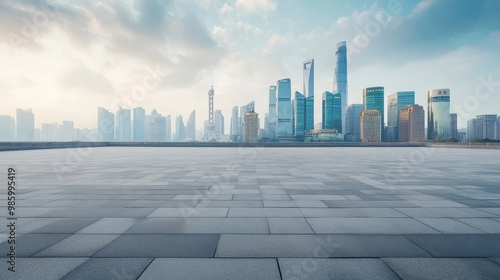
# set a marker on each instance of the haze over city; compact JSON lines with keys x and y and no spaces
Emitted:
{"x":64,"y":59}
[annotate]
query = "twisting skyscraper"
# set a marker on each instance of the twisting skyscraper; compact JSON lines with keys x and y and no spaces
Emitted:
{"x":340,"y":78}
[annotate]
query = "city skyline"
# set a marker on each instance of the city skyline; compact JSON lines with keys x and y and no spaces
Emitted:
{"x":241,"y":49}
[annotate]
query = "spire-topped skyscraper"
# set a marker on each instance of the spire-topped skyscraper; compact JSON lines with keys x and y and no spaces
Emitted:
{"x":340,"y":78}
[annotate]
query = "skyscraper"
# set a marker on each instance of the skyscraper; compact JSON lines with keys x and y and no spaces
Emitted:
{"x":49,"y":132}
{"x":219,"y":122}
{"x":168,"y":128}
{"x":191,"y":126}
{"x":309,"y":111}
{"x":453,"y":126}
{"x":179,"y":128}
{"x":25,"y":125}
{"x":7,"y":128}
{"x":139,"y":125}
{"x":156,"y":127}
{"x":332,"y":111}
{"x":234,"y":124}
{"x":484,"y":127}
{"x":105,"y":125}
{"x":369,"y":126}
{"x":340,"y":78}
{"x":123,"y":125}
{"x":308,"y":78}
{"x":241,"y":123}
{"x":412,"y":124}
{"x":373,"y":99}
{"x":352,"y":122}
{"x":438,"y":118}
{"x":396,"y":102}
{"x":251,"y":127}
{"x":299,"y":116}
{"x":67,"y":131}
{"x":284,"y":124}
{"x":272,"y":112}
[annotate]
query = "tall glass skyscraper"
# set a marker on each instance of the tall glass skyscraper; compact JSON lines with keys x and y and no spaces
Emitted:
{"x":373,"y":99}
{"x":234,"y":124}
{"x":340,"y":78}
{"x":138,"y":125}
{"x":308,"y":83}
{"x":179,"y":128}
{"x":168,"y":129}
{"x":331,"y":106}
{"x":272,"y":112}
{"x":396,"y":102}
{"x":105,"y":125}
{"x":25,"y":125}
{"x":352,"y":122}
{"x":299,"y":112}
{"x":438,"y":118}
{"x":284,"y":124}
{"x":123,"y":125}
{"x":191,"y":126}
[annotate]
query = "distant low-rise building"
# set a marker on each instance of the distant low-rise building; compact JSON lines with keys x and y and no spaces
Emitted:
{"x":251,"y":127}
{"x":369,"y":126}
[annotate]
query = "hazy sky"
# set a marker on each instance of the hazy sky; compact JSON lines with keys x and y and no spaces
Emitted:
{"x":66,"y":58}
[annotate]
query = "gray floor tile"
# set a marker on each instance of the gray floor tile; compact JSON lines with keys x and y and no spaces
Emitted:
{"x":110,"y":226}
{"x":264,"y":212}
{"x":335,"y":269}
{"x":458,"y":245}
{"x":289,"y":226}
{"x":201,"y":225}
{"x":38,"y":268}
{"x":368,"y":226}
{"x":77,"y":245}
{"x":444,"y":212}
{"x":484,"y":224}
{"x":294,"y":204}
{"x":189,"y":212}
{"x":68,"y":225}
{"x":436,"y":268}
{"x":449,"y":226}
{"x":229,"y":203}
{"x":368,"y":204}
{"x":29,"y":244}
{"x":155,"y":246}
{"x":109,"y":268}
{"x":193,"y":269}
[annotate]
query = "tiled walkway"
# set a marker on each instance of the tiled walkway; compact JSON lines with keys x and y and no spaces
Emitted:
{"x":254,"y":213}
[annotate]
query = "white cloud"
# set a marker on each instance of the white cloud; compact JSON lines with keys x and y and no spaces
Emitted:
{"x":256,"y":5}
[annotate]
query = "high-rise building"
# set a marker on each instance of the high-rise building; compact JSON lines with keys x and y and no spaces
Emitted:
{"x":241,"y":124}
{"x":438,"y":114}
{"x":266,"y":127}
{"x":272,"y":112}
{"x":453,"y":126}
{"x":67,"y":131}
{"x":123,"y":125}
{"x":332,"y":111}
{"x":179,"y":128}
{"x":168,"y":128}
{"x":373,"y":99}
{"x":7,"y":128}
{"x":308,"y":78}
{"x":484,"y":126}
{"x":352,"y":122}
{"x":234,"y":124}
{"x":497,"y":129}
{"x":396,"y":102}
{"x":250,"y":106}
{"x":340,"y":79}
{"x":25,"y":125}
{"x":299,"y":113}
{"x":471,"y":125}
{"x":156,"y":127}
{"x":191,"y":126}
{"x":219,"y":122}
{"x":139,"y":125}
{"x":369,"y":126}
{"x":49,"y":132}
{"x":251,"y":127}
{"x":105,"y":125}
{"x":284,"y":124}
{"x":412,"y":124}
{"x":309,"y":125}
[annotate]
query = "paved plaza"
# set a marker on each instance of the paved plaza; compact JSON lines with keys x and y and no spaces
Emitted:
{"x":253,"y":213}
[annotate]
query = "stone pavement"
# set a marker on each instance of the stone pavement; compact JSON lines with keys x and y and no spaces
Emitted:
{"x":254,"y":213}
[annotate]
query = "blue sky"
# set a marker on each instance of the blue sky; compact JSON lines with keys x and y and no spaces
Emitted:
{"x":66,"y":58}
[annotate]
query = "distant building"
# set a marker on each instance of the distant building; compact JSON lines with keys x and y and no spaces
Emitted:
{"x":340,"y":79}
{"x":331,"y":106}
{"x":324,"y":135}
{"x":412,"y":124}
{"x":484,"y":127}
{"x":168,"y":128}
{"x":373,"y":99}
{"x":396,"y":102}
{"x":251,"y":127}
{"x":179,"y":128}
{"x":191,"y":126}
{"x":105,"y":125}
{"x":7,"y":128}
{"x":272,"y":112}
{"x":67,"y":131}
{"x":369,"y":126}
{"x":453,"y":126}
{"x":471,"y":124}
{"x":438,"y":114}
{"x":139,"y":125}
{"x":123,"y":125}
{"x":219,"y":122}
{"x":284,"y":124}
{"x":234,"y":124}
{"x":352,"y":122}
{"x":497,"y":129}
{"x":49,"y":132}
{"x":25,"y":125}
{"x":299,"y":113}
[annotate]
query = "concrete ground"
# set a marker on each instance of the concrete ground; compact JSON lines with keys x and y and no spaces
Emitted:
{"x":253,"y":213}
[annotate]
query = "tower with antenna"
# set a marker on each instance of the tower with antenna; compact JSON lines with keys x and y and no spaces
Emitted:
{"x":210,"y":135}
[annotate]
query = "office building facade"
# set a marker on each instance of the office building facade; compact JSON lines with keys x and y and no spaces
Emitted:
{"x":7,"y":128}
{"x":340,"y":78}
{"x":123,"y":125}
{"x":331,"y":110}
{"x":25,"y":125}
{"x":352,"y":122}
{"x":396,"y":102}
{"x":438,"y":114}
{"x":373,"y":99}
{"x":105,"y":125}
{"x":272,"y":112}
{"x":139,"y":125}
{"x":251,"y":127}
{"x":284,"y":121}
{"x":369,"y":126}
{"x":411,"y":123}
